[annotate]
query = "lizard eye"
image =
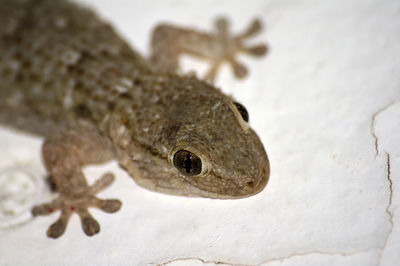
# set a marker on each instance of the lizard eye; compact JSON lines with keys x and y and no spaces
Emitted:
{"x":187,"y":162}
{"x":243,"y":111}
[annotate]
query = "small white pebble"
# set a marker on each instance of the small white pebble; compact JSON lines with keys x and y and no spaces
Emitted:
{"x":61,"y":23}
{"x":70,"y":57}
{"x":215,"y":106}
{"x":126,"y":82}
{"x":120,"y":89}
{"x":121,"y":130}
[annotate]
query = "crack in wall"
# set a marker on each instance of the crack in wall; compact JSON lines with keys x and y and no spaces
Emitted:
{"x":373,"y":124}
{"x":389,"y":205}
{"x":388,"y":173}
{"x":218,"y":262}
{"x":198,"y":259}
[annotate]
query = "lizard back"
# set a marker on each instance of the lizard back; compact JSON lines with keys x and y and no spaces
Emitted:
{"x":59,"y":63}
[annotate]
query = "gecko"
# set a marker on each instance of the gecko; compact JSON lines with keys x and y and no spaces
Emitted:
{"x":66,"y":75}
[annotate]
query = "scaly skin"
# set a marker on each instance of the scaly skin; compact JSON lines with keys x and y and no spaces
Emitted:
{"x":66,"y":75}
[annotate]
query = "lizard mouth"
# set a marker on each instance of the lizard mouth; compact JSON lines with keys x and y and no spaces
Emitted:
{"x":232,"y":190}
{"x":261,"y":184}
{"x":255,"y":184}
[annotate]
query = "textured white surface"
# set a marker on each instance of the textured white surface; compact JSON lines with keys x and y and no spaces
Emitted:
{"x":326,"y":103}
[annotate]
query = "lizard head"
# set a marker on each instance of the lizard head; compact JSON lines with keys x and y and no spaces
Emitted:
{"x":204,"y":148}
{"x":216,"y":152}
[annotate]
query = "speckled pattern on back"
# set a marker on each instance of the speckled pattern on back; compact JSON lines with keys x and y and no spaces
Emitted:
{"x":66,"y":75}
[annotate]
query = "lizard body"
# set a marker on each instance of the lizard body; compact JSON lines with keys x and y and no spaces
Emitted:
{"x":67,"y":76}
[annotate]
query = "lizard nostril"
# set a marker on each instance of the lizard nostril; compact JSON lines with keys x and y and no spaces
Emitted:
{"x":250,"y":184}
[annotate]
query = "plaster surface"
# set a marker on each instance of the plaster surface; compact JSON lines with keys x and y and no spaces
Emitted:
{"x":326,"y":104}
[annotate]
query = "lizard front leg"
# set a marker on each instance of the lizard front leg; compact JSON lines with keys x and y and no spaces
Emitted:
{"x":169,"y":42}
{"x":64,"y":156}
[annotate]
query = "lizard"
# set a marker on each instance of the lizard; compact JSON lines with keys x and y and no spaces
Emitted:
{"x":67,"y":76}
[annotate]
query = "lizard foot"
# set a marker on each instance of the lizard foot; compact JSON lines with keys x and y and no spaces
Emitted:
{"x":231,"y":45}
{"x":79,"y":203}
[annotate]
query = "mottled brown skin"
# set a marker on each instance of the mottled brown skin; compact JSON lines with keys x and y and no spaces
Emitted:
{"x":66,"y":75}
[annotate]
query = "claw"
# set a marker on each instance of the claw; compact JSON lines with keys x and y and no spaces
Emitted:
{"x":89,"y":225}
{"x":254,"y":28}
{"x":109,"y":206}
{"x":58,"y":228}
{"x":239,"y":69}
{"x":106,"y":180}
{"x":44,"y":209}
{"x":222,"y":25}
{"x":257,"y":50}
{"x":79,"y":204}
